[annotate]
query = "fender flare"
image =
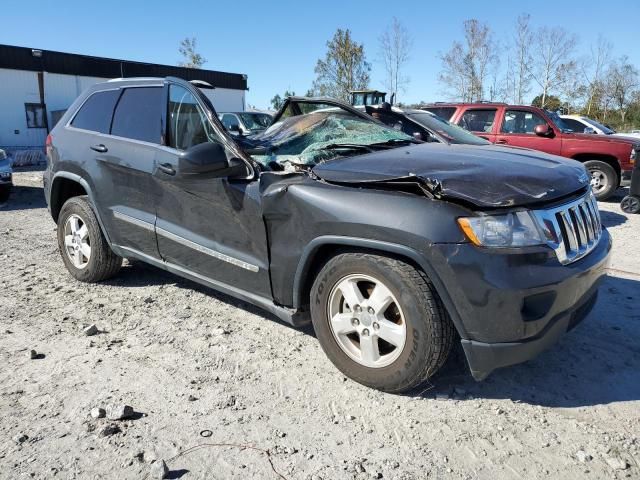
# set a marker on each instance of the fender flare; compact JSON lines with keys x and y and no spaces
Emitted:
{"x":78,"y":179}
{"x":308,"y":254}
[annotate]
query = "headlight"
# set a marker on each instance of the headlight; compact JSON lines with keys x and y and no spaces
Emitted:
{"x":5,"y":174}
{"x":634,"y":154}
{"x":502,"y":231}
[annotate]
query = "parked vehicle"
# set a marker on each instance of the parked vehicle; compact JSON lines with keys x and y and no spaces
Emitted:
{"x":422,"y":125}
{"x":245,"y":123}
{"x":608,"y":159}
{"x":6,"y":177}
{"x":582,"y":124}
{"x":392,"y":247}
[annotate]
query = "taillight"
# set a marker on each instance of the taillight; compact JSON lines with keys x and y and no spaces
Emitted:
{"x":48,"y":144}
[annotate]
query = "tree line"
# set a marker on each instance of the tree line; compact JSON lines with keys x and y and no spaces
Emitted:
{"x":540,"y":65}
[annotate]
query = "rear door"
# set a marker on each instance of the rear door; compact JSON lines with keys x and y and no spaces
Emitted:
{"x":517,"y":129}
{"x":127,"y":164}
{"x":120,"y":131}
{"x":480,"y":121}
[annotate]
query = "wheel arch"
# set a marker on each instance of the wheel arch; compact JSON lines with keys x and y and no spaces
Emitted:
{"x":66,"y":185}
{"x":319,"y":251}
{"x":608,"y":159}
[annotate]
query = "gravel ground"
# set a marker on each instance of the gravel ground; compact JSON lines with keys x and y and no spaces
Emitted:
{"x":201,"y":369}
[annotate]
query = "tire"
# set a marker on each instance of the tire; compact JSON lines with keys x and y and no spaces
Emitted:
{"x":604,"y":179}
{"x":416,"y":309}
{"x":630,"y":204}
{"x":99,"y":263}
{"x":5,"y":190}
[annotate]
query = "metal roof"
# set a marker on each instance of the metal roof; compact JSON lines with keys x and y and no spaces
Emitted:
{"x":33,"y":59}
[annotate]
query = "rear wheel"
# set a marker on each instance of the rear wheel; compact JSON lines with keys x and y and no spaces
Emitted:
{"x":379,"y":321}
{"x":84,"y":249}
{"x":604,"y":180}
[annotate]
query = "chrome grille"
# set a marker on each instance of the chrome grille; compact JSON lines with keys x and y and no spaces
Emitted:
{"x":572,"y":230}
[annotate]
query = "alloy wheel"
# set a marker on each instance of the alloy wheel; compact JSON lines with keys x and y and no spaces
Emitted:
{"x":77,"y":244}
{"x":367,"y":321}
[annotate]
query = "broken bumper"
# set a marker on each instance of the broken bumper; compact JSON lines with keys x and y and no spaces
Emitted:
{"x":512,"y":306}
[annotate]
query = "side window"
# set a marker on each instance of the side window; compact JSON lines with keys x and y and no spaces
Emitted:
{"x":230,"y":122}
{"x":574,"y":125}
{"x":521,"y":121}
{"x":188,"y":124}
{"x":138,"y":114}
{"x":478,"y":120}
{"x":95,"y":114}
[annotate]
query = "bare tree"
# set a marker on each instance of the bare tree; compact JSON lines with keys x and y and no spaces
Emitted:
{"x":465,"y":66}
{"x":622,"y":81}
{"x":553,"y":56}
{"x":188,"y":50}
{"x":594,"y":69}
{"x":522,"y":45}
{"x":343,"y":69}
{"x":395,"y":49}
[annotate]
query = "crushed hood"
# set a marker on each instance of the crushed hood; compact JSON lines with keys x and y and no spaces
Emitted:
{"x":485,"y":176}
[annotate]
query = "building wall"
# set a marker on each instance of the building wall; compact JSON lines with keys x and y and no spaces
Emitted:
{"x":18,"y":87}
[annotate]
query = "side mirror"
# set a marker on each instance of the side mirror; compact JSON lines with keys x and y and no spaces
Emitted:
{"x":208,"y":160}
{"x":418,"y":136}
{"x":543,"y":130}
{"x":589,"y":130}
{"x":235,"y":129}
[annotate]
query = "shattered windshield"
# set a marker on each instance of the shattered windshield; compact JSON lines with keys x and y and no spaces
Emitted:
{"x":321,"y":135}
{"x":255,"y":121}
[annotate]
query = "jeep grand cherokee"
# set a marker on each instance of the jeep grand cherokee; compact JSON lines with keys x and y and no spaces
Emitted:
{"x":393,"y":248}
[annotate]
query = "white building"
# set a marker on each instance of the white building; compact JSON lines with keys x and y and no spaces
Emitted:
{"x":37,"y":86}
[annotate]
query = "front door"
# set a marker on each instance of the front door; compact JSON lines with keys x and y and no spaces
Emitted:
{"x":517,"y":129}
{"x":212,"y":227}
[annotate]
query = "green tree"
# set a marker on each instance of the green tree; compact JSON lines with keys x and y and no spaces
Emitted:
{"x":192,"y":59}
{"x":552,"y":102}
{"x":343,"y":69}
{"x":277,"y":101}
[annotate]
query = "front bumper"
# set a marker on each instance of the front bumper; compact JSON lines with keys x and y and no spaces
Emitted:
{"x":512,"y":306}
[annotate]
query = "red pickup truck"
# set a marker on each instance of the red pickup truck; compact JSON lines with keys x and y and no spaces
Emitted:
{"x":609,"y":160}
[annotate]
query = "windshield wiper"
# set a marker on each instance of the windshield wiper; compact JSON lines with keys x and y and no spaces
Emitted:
{"x":395,"y":142}
{"x":347,"y":146}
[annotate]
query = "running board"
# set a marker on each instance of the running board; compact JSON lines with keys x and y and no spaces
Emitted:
{"x":287,"y":315}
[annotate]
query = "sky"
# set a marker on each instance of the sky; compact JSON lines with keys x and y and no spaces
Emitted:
{"x":277,"y":43}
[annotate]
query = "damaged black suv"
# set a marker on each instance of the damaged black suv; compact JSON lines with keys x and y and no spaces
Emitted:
{"x":394,"y":248}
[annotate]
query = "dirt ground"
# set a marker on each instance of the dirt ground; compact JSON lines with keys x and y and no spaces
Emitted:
{"x":200,"y":368}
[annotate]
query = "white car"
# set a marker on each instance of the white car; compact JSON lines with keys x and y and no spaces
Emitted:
{"x":582,"y":124}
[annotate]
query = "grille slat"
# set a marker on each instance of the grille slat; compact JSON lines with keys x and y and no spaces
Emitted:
{"x":576,"y":226}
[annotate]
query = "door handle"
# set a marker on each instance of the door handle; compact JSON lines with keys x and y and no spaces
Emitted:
{"x":167,"y":168}
{"x":502,"y":142}
{"x":99,"y":148}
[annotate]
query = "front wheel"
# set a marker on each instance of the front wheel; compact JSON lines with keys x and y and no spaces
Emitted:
{"x":604,"y":180}
{"x":380,"y":321}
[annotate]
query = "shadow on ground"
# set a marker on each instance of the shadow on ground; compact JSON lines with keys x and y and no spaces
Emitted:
{"x":597,"y":363}
{"x":24,"y":198}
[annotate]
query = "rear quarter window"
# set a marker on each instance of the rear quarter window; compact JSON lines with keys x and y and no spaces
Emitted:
{"x":138,"y":114}
{"x":95,"y":114}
